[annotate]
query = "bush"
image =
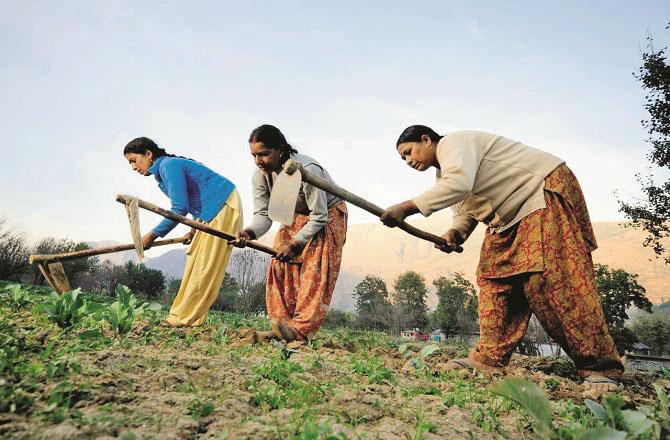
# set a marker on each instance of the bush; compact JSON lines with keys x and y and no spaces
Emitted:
{"x":13,"y":252}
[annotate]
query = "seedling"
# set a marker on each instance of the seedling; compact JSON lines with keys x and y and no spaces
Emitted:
{"x":65,"y":310}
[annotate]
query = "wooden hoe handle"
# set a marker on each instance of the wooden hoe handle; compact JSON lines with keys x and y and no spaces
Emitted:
{"x":51,"y":258}
{"x":291,"y":167}
{"x":121,"y":198}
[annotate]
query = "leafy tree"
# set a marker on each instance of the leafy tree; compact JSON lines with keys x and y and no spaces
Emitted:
{"x":13,"y":252}
{"x":457,"y":304}
{"x":227,"y":299}
{"x":619,"y":290}
{"x":172,"y":286}
{"x":654,"y":330}
{"x":142,"y":280}
{"x":409,"y":296}
{"x":369,"y":293}
{"x":372,"y":303}
{"x":653,"y":213}
{"x":337,"y":318}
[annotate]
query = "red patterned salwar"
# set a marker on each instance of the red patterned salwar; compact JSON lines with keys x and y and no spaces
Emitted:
{"x":543,"y":266}
{"x":300,"y":294}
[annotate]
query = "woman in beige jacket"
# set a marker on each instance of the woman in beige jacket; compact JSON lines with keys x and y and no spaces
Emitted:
{"x":536,"y":255}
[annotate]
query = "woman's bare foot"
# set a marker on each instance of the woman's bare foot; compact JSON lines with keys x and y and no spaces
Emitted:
{"x":285,"y":331}
{"x":471,"y":364}
{"x":264,"y":336}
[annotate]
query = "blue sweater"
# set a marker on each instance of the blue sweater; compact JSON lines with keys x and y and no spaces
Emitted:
{"x":192,"y":188}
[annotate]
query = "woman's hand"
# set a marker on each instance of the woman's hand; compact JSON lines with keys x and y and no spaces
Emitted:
{"x":289,"y":251}
{"x":454,"y":241}
{"x":242,"y":237}
{"x":189,"y":236}
{"x":148,"y":240}
{"x":396,"y":214}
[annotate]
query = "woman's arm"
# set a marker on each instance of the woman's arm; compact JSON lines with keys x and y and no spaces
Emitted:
{"x":317,"y":202}
{"x":463,"y":223}
{"x":459,"y":161}
{"x":260,"y":223}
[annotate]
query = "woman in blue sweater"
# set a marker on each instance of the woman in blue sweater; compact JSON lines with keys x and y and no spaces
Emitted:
{"x":193,"y":189}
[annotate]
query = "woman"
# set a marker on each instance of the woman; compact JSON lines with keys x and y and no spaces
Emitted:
{"x":536,"y":255}
{"x":207,"y":196}
{"x":302,"y":277}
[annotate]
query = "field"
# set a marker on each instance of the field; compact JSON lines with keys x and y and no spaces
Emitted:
{"x":85,"y":366}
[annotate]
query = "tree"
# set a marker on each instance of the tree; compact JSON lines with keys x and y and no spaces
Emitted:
{"x":143,"y":281}
{"x":254,"y":301}
{"x":654,"y":330}
{"x":373,"y":308}
{"x":653,"y":213}
{"x":13,"y":252}
{"x":107,"y":277}
{"x":457,"y":304}
{"x":369,"y":293}
{"x":337,"y":318}
{"x":227,"y":298}
{"x":248,"y":268}
{"x":51,"y":245}
{"x":409,"y":296}
{"x":619,"y":290}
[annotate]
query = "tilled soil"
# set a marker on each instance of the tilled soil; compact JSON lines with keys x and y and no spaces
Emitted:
{"x":215,"y":382}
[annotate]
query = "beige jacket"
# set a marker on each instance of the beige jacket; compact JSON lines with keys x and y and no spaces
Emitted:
{"x":487,"y":178}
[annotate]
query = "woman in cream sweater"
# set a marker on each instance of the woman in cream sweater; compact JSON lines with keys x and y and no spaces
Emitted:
{"x":536,"y":255}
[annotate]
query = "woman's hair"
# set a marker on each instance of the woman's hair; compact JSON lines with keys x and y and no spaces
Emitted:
{"x":271,"y":137}
{"x":413,"y":133}
{"x":141,"y":145}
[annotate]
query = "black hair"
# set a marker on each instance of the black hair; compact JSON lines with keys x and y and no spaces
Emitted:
{"x":413,"y":133}
{"x":271,"y":137}
{"x":143,"y":144}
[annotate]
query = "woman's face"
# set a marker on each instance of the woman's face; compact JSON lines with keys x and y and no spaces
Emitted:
{"x":266,"y":159}
{"x":141,"y":162}
{"x":418,"y":155}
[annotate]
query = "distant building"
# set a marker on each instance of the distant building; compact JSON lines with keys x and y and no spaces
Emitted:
{"x":641,"y":348}
{"x":414,"y":334}
{"x":438,"y":336}
{"x":649,"y":363}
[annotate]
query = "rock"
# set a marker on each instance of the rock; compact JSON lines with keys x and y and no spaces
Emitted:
{"x":63,"y":431}
{"x":295,"y":344}
{"x":592,"y":394}
{"x":187,"y":428}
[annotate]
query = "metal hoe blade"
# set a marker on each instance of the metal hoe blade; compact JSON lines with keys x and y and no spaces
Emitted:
{"x":133,"y":210}
{"x":284,"y":197}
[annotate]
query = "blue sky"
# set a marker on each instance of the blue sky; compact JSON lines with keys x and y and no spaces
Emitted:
{"x":341,"y":79}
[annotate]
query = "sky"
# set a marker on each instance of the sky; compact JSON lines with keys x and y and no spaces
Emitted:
{"x":341,"y":79}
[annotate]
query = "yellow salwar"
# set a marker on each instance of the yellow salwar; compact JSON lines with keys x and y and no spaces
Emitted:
{"x":206,"y":263}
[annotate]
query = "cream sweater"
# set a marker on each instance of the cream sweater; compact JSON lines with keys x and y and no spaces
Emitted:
{"x":487,"y":178}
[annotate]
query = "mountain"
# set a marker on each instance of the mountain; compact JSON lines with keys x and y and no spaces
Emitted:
{"x":384,"y":252}
{"x":170,"y":263}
